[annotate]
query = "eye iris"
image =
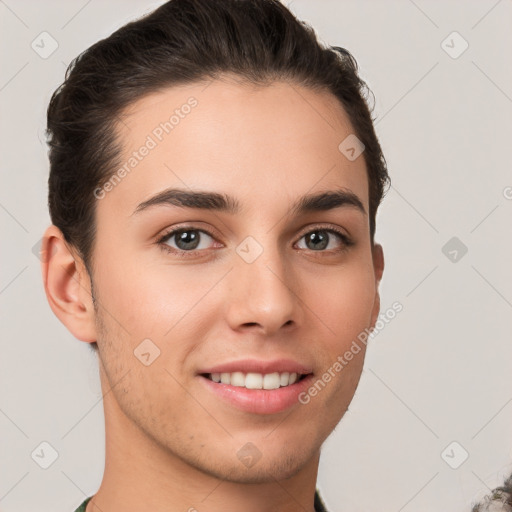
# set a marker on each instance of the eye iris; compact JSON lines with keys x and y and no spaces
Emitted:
{"x":189,"y":238}
{"x":320,"y":242}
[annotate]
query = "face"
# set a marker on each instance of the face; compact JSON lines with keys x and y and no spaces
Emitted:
{"x":269,"y":289}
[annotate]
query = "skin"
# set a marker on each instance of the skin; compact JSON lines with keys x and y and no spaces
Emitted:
{"x":170,"y":443}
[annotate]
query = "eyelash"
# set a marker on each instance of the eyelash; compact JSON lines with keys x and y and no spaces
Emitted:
{"x":346,"y":241}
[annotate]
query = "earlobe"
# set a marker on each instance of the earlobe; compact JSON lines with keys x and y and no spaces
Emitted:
{"x":67,"y":285}
{"x":378,"y":266}
{"x":378,"y":261}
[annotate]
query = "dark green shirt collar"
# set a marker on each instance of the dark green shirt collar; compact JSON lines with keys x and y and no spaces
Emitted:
{"x":319,"y":505}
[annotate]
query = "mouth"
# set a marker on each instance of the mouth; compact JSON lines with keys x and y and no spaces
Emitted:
{"x":267,"y":381}
{"x":257,"y":386}
{"x":257,"y":393}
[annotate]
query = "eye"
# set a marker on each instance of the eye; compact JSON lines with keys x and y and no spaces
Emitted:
{"x":186,"y":239}
{"x":319,"y":239}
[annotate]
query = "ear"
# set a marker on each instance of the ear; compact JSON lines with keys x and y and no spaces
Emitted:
{"x":67,"y":285}
{"x":378,"y":266}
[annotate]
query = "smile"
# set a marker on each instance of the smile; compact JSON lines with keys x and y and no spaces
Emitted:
{"x":267,"y":381}
{"x":257,"y":399}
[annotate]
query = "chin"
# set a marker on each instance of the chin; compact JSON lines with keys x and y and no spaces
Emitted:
{"x":274,"y":466}
{"x":264,"y":473}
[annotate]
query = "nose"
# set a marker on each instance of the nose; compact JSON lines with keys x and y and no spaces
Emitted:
{"x":261,"y":295}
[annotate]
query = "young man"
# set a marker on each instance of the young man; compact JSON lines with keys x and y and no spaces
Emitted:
{"x":214,"y":182}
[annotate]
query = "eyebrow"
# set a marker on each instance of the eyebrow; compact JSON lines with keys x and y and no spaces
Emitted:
{"x":215,"y":201}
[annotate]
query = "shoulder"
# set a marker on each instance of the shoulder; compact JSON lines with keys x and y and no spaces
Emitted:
{"x":319,"y":504}
{"x":82,"y":507}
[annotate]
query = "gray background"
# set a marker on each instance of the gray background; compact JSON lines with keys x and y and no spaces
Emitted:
{"x":439,"y":372}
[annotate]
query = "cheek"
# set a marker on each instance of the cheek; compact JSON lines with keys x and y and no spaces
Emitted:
{"x":344,"y":303}
{"x":153,"y":300}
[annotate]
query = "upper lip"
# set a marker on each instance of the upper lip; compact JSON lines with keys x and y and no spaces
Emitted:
{"x":259,"y":366}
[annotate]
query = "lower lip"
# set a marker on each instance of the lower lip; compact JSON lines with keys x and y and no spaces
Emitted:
{"x":259,"y":401}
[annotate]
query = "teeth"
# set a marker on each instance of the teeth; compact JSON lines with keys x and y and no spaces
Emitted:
{"x":271,"y":381}
{"x":256,"y":380}
{"x":237,"y":379}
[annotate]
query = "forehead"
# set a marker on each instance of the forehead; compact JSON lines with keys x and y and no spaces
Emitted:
{"x":247,"y":140}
